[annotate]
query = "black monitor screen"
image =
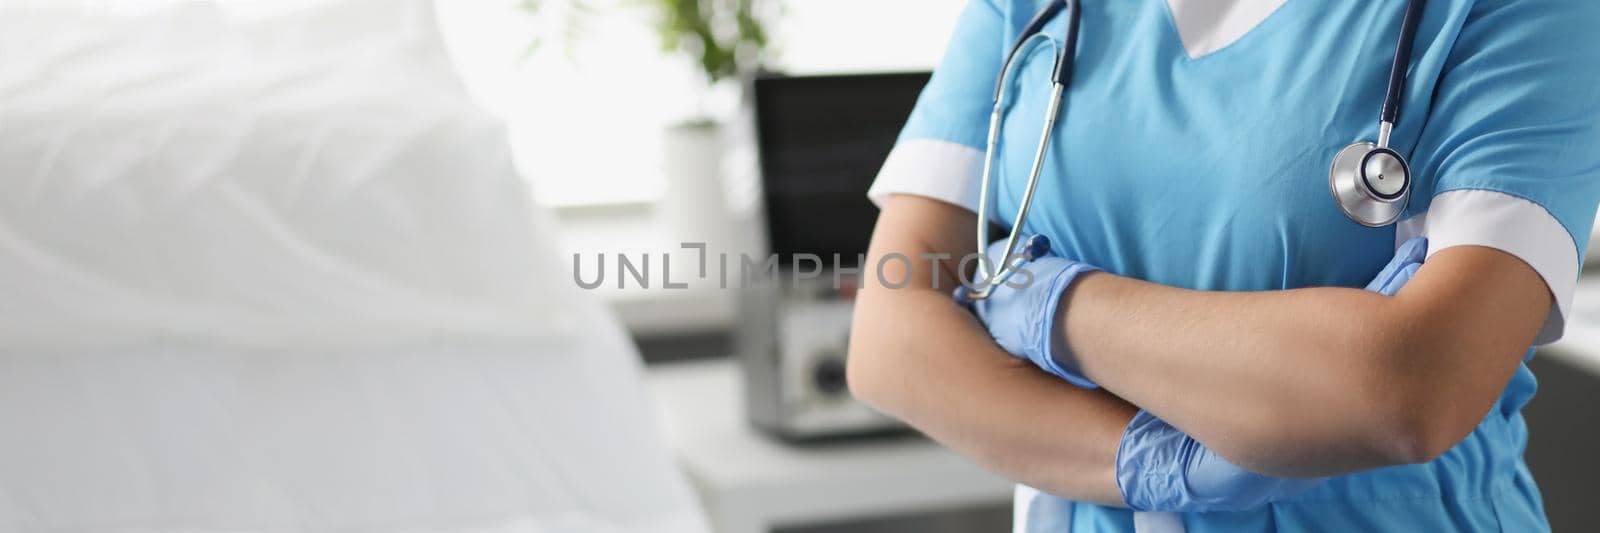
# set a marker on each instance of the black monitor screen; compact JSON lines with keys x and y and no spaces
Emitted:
{"x":822,"y":140}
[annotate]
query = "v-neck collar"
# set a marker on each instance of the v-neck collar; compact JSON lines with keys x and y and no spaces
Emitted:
{"x":1205,"y":27}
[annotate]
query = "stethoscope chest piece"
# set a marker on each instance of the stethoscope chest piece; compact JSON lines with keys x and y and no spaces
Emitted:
{"x":1371,"y":185}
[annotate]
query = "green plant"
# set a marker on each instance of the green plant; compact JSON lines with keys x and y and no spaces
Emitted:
{"x":726,"y":38}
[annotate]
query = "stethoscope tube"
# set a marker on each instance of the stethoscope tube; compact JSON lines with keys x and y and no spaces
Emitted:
{"x":1002,"y":269}
{"x":1402,"y":61}
{"x":1063,"y":68}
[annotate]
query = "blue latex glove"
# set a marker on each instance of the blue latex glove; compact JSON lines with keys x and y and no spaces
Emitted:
{"x":1020,"y":313}
{"x":1407,"y":259}
{"x":1161,"y":469}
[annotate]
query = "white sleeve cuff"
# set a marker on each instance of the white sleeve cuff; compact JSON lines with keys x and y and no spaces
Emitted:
{"x":941,"y":170}
{"x":1510,"y":224}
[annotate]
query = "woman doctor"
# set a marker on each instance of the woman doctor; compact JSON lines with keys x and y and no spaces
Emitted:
{"x":1213,"y":341}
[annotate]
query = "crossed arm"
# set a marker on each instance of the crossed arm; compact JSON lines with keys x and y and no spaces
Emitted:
{"x":1291,"y":383}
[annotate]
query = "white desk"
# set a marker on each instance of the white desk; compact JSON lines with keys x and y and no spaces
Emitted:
{"x":749,"y":482}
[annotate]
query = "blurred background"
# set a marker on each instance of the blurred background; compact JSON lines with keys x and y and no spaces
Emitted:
{"x":482,"y":265}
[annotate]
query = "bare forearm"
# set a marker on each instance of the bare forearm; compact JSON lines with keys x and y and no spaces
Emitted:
{"x":1237,"y":369}
{"x":922,"y":359}
{"x":918,"y":356}
{"x":1305,"y":382}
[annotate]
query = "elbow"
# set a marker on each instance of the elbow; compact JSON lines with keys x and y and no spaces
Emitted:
{"x":864,"y":371}
{"x":1422,"y":417}
{"x":1416,"y":438}
{"x":877,"y":357}
{"x":1406,"y":413}
{"x":858,"y":377}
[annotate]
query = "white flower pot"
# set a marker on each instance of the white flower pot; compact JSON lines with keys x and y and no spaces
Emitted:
{"x":693,"y":207}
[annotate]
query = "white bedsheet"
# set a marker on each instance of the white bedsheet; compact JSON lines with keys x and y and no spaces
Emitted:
{"x":274,"y":272}
{"x":417,"y":438}
{"x":186,"y":174}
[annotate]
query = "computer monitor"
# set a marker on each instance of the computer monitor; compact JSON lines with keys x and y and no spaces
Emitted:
{"x":822,"y":140}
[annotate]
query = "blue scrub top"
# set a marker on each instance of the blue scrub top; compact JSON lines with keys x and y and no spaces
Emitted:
{"x":1211,"y":173}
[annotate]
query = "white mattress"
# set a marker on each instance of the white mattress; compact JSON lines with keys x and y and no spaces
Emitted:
{"x":183,"y":174}
{"x":440,"y":437}
{"x":274,"y":272}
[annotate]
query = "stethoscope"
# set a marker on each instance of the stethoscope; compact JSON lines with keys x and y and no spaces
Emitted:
{"x":1370,"y":182}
